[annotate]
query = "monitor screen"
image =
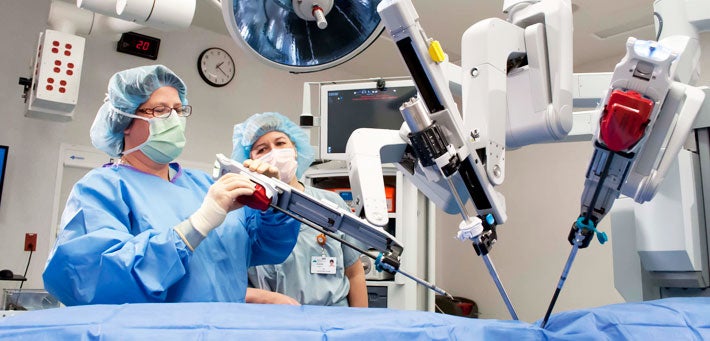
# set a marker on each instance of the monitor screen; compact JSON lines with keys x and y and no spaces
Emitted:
{"x":3,"y":162}
{"x":349,"y":106}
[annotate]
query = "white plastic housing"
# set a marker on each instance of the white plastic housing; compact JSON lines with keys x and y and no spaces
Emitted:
{"x":365,"y":170}
{"x":668,"y":227}
{"x":160,"y":14}
{"x":106,"y":7}
{"x":67,"y":18}
{"x":57,"y":72}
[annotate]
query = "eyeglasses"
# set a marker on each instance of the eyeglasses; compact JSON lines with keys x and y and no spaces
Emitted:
{"x":162,"y":111}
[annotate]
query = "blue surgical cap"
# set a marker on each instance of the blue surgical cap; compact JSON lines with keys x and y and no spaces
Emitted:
{"x":127,"y":90}
{"x":247,"y":132}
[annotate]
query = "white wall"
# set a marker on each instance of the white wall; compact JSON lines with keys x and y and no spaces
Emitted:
{"x":34,"y":144}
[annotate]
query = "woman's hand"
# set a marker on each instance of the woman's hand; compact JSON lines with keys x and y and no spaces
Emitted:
{"x":262,"y":168}
{"x":267,"y":297}
{"x":228,"y":188}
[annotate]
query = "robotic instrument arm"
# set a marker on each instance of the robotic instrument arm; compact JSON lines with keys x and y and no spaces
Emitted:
{"x":452,"y":159}
{"x":516,"y":84}
{"x":644,"y":120}
{"x":646,"y":116}
{"x":279,"y":195}
{"x":322,"y":215}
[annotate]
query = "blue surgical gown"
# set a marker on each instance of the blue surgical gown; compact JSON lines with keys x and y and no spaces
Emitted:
{"x":117,"y":243}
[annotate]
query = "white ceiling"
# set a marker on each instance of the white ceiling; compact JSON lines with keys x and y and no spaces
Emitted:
{"x":446,"y":20}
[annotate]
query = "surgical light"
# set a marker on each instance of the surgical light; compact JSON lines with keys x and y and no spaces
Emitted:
{"x":303,"y":36}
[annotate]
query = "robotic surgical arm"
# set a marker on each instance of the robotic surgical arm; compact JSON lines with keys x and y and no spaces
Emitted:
{"x":513,"y":95}
{"x":644,"y":120}
{"x":322,"y":215}
{"x":646,"y":116}
{"x":516,"y":87}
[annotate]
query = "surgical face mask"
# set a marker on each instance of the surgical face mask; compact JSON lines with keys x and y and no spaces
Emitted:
{"x":285,"y":160}
{"x":166,"y":139}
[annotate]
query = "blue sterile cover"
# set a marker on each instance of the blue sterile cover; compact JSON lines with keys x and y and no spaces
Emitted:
{"x":668,"y":319}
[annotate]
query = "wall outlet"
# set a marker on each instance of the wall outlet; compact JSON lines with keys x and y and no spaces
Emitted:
{"x":30,"y":241}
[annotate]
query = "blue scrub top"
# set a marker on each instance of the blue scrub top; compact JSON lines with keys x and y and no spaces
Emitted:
{"x":293,"y":277}
{"x":117,"y":243}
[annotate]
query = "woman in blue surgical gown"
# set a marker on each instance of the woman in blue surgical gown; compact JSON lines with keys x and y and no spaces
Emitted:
{"x":319,"y":271}
{"x":143,"y":229}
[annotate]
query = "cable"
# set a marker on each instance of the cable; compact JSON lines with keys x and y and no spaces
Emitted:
{"x":660,"y":24}
{"x":15,"y":306}
{"x":29,"y":259}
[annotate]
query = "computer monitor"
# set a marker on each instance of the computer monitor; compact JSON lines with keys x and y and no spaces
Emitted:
{"x":349,"y":106}
{"x":3,"y":163}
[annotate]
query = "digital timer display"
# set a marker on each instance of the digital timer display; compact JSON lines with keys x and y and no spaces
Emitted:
{"x":139,"y":45}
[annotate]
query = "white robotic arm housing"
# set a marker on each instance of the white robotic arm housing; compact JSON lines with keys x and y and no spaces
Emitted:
{"x":451,"y":157}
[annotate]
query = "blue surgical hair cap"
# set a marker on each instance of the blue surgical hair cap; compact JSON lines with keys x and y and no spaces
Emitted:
{"x":247,"y":132}
{"x":127,"y":90}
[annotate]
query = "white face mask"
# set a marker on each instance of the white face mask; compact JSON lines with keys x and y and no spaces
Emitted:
{"x":285,"y":160}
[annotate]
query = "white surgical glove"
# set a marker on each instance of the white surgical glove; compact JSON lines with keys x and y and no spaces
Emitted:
{"x":208,"y":216}
{"x":220,"y":199}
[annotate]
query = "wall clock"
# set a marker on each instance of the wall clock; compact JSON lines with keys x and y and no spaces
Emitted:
{"x":216,"y":67}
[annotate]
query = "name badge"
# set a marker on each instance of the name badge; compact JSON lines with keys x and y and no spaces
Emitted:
{"x":323,"y":265}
